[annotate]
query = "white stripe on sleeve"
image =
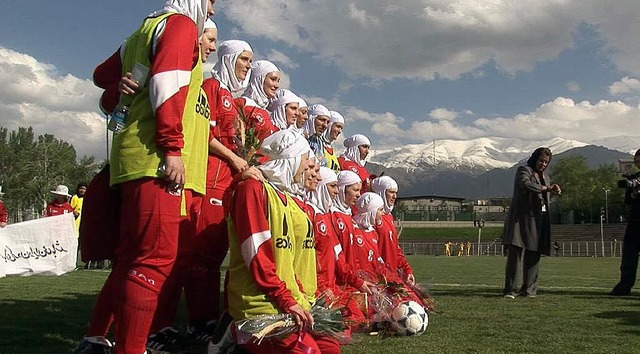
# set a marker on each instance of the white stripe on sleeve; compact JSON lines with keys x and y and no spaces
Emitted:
{"x":166,"y":84}
{"x":250,"y":246}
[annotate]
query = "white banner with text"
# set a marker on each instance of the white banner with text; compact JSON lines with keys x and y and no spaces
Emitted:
{"x":47,"y":246}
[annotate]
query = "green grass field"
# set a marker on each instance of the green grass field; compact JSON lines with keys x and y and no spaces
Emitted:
{"x":571,"y":313}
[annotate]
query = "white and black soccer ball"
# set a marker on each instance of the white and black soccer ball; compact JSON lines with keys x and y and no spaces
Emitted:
{"x":409,"y":319}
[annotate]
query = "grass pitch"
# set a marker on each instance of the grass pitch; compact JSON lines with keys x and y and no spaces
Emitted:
{"x":570,"y":314}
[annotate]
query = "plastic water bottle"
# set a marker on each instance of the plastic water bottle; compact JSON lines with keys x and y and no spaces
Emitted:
{"x":118,"y":118}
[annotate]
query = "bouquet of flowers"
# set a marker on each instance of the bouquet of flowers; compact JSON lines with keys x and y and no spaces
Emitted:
{"x":328,"y":321}
{"x":246,"y":138}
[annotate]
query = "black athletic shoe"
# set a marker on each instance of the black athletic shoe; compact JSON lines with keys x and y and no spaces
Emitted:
{"x":202,"y":333}
{"x":167,"y":340}
{"x":93,"y":345}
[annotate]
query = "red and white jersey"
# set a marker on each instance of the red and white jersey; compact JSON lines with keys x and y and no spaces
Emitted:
{"x":223,"y":114}
{"x":54,"y":208}
{"x":366,"y":253}
{"x":332,"y":267}
{"x":172,"y":57}
{"x":256,"y":117}
{"x":348,"y":165}
{"x":389,"y":247}
{"x":344,"y":228}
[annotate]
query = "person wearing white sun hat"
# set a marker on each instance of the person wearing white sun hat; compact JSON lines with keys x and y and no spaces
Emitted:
{"x":60,"y":203}
{"x":4,"y":215}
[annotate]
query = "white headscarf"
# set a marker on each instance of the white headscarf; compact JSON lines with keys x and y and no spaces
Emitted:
{"x":225,"y":69}
{"x":314,"y":111}
{"x":380,"y":186}
{"x":284,"y":149}
{"x":351,"y":144}
{"x":345,"y":179}
{"x":259,"y":71}
{"x":320,"y":197}
{"x":367,"y":207}
{"x":194,"y":9}
{"x":277,"y":107}
{"x":335,"y":117}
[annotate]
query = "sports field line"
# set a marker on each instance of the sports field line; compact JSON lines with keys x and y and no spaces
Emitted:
{"x":455,"y":285}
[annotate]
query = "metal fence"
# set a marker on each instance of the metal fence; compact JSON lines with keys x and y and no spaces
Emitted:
{"x":567,"y":249}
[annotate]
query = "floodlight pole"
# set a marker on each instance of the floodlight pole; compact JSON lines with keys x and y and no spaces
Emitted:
{"x":606,"y":204}
{"x":602,"y":229}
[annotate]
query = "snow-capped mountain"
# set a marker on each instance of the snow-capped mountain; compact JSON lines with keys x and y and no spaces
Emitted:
{"x":624,"y":143}
{"x":470,"y":155}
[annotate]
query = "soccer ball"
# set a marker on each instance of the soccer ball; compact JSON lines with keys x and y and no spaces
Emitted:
{"x":409,"y":319}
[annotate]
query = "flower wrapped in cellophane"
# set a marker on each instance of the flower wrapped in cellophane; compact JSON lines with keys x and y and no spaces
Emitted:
{"x":246,"y":138}
{"x":328,"y":319}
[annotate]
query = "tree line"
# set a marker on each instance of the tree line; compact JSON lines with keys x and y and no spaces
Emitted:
{"x":31,"y":166}
{"x":585,"y":191}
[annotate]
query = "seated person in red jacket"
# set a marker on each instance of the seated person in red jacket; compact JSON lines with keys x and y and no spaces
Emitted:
{"x":60,"y":203}
{"x":387,"y":188}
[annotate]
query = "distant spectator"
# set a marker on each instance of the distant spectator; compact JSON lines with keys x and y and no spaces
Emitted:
{"x":76,"y":202}
{"x":59,"y":205}
{"x":4,"y":215}
{"x":556,"y":248}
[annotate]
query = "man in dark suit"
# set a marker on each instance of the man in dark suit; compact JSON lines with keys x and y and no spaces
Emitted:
{"x":527,"y":233}
{"x":631,"y":242}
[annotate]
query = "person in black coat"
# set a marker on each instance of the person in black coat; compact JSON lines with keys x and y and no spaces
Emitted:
{"x":527,"y":231}
{"x":631,"y":242}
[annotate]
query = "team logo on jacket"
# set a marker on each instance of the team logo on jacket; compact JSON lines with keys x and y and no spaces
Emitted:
{"x":359,"y":241}
{"x":226,"y":103}
{"x":340,"y":224}
{"x":259,"y":118}
{"x":322,"y":227}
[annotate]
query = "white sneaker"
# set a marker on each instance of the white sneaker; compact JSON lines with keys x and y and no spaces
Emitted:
{"x":224,"y":344}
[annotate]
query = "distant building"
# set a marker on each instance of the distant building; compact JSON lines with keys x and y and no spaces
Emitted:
{"x":429,"y":208}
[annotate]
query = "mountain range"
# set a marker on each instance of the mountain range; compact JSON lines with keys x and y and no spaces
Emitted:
{"x":484,"y":167}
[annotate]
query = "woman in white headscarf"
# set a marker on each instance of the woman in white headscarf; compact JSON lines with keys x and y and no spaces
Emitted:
{"x":333,"y":270}
{"x":233,"y":67}
{"x":264,"y":81}
{"x":349,"y":186}
{"x":284,"y":108}
{"x":388,"y":243}
{"x":303,"y":116}
{"x":263,"y":245}
{"x":336,"y":124}
{"x":368,"y":212}
{"x":353,"y":159}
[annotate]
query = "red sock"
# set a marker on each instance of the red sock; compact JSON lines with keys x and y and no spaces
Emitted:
{"x":134,"y":313}
{"x":103,"y":310}
{"x":168,"y":300}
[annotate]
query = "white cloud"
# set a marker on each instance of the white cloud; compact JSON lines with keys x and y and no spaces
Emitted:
{"x":281,"y":59}
{"x":425,"y":39}
{"x":573,"y":86}
{"x":583,"y":121}
{"x":443,"y":114}
{"x":34,"y":94}
{"x":625,"y":85}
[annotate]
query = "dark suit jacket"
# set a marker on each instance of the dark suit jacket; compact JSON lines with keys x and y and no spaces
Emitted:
{"x":527,"y":226}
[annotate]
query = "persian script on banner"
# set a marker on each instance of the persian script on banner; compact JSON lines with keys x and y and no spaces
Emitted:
{"x":47,"y":246}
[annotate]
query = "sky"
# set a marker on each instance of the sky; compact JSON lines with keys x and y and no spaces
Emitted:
{"x":401,"y":72}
